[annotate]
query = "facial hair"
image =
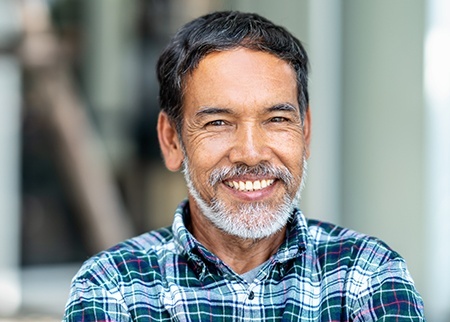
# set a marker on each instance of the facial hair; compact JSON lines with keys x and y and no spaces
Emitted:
{"x":254,"y":220}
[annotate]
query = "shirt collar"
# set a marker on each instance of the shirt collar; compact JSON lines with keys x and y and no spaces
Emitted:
{"x":185,"y":241}
{"x":296,"y":238}
{"x":292,"y":247}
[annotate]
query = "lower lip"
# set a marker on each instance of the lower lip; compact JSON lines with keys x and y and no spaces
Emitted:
{"x":252,"y":195}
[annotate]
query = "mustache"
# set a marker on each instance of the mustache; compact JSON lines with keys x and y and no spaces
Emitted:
{"x":263,"y":169}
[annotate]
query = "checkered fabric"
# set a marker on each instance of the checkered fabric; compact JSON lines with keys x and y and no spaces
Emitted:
{"x":321,"y":272}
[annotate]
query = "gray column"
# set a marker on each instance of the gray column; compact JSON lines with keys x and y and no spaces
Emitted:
{"x":323,"y":194}
{"x":382,"y":128}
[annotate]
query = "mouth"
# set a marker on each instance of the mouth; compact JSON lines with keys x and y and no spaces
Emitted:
{"x":249,"y":185}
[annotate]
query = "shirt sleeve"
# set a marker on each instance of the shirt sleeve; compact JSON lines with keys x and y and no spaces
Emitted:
{"x":389,"y":295}
{"x":90,"y":302}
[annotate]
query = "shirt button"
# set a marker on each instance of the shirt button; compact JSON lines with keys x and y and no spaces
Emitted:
{"x":251,"y":296}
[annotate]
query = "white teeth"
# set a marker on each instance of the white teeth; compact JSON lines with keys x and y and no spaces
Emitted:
{"x":249,"y":185}
{"x":263,"y":183}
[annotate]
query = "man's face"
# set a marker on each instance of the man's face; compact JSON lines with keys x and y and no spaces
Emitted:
{"x":244,"y":142}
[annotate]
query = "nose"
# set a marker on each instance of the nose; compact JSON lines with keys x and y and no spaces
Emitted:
{"x":250,"y":145}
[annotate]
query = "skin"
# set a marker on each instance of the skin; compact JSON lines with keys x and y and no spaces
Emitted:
{"x":240,"y":106}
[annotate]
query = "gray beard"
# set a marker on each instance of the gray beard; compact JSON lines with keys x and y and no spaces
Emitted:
{"x":251,"y":220}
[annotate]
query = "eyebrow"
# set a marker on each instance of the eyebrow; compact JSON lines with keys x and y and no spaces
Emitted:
{"x":287,"y":107}
{"x":209,"y":110}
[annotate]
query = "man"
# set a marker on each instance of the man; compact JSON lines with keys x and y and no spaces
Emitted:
{"x":235,"y":118}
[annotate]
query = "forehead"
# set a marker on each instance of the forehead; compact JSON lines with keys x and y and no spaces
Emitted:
{"x":241,"y":76}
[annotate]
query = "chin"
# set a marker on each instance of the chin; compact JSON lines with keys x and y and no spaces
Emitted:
{"x":250,"y":220}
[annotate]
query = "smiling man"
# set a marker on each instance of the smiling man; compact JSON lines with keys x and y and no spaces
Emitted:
{"x":235,"y":119}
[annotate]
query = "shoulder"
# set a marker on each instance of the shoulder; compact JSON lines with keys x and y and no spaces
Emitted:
{"x":147,"y":243}
{"x":373,"y":277}
{"x":131,"y":256}
{"x":341,"y":246}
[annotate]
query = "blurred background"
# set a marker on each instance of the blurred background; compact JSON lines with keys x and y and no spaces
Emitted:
{"x":80,"y":167}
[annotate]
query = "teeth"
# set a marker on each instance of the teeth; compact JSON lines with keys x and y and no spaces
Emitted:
{"x":263,"y":183}
{"x":249,"y":185}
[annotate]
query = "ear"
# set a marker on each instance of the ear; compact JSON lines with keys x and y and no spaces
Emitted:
{"x":169,"y":143}
{"x":307,"y":131}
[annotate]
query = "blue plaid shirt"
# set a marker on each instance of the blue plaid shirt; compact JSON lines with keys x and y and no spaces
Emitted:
{"x":320,"y":273}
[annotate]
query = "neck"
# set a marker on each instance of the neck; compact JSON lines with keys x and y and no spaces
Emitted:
{"x":241,"y":255}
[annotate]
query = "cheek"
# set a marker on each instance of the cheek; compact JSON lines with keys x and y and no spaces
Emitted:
{"x":207,"y":151}
{"x":204,"y":157}
{"x":291,"y":150}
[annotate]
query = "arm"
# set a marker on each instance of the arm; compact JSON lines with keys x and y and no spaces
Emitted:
{"x":389,"y":295}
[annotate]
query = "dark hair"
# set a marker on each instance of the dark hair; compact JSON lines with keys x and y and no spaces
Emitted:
{"x":220,"y":31}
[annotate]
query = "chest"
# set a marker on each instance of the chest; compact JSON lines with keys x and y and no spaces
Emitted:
{"x":297,"y":296}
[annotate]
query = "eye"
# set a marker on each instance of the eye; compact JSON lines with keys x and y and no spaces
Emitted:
{"x":216,"y":123}
{"x":278,"y":119}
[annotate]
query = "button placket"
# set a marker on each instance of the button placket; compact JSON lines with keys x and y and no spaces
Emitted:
{"x":252,"y":291}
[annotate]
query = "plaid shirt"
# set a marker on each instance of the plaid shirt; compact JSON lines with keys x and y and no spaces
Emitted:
{"x":321,"y":273}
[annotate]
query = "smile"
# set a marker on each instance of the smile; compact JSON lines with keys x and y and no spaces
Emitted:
{"x":249,"y":185}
